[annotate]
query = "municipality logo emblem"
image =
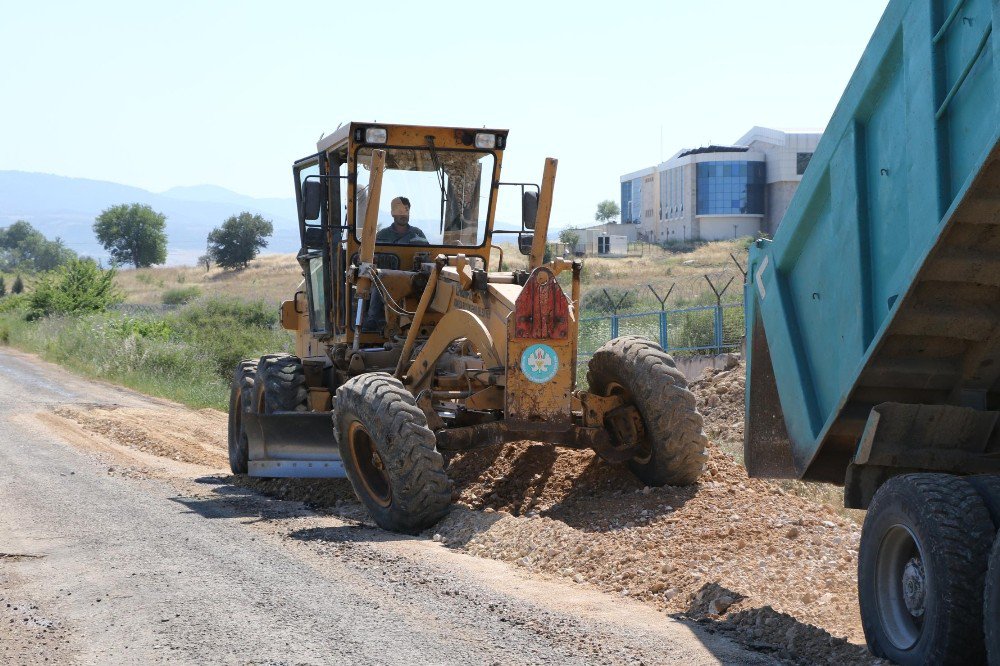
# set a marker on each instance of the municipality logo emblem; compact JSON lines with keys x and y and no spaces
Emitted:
{"x":539,"y":363}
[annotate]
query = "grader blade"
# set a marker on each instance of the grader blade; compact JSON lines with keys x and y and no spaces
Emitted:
{"x":292,"y":444}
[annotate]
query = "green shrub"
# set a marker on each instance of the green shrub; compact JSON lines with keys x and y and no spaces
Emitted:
{"x":219,"y":313}
{"x":180,"y":295}
{"x":153,"y":329}
{"x":13,"y":302}
{"x":596,"y":301}
{"x":78,"y":287}
{"x":226,"y":331}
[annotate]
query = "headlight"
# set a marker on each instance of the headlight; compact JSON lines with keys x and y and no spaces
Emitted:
{"x":376,"y":135}
{"x":486,"y":141}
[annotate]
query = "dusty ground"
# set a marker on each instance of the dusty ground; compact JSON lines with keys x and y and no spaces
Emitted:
{"x":123,"y":541}
{"x":745,"y":557}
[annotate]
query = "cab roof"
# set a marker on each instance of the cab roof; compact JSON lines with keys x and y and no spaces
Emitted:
{"x":343,"y":132}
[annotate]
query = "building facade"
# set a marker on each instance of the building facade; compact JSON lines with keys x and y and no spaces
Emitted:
{"x":718,"y":192}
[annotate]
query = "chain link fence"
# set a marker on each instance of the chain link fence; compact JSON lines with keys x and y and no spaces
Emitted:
{"x":707,"y":329}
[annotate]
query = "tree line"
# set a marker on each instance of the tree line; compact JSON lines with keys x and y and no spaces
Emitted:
{"x":132,"y":234}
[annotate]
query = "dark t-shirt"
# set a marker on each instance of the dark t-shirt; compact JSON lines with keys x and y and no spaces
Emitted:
{"x":411,"y":236}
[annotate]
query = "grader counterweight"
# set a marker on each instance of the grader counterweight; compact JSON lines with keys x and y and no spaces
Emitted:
{"x":410,"y":346}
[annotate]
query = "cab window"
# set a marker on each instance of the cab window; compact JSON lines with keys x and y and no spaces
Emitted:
{"x":448,"y":192}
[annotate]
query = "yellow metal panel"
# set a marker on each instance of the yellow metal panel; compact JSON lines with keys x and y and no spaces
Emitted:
{"x":533,"y":399}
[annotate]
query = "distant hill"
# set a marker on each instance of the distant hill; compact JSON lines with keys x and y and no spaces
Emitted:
{"x":66,"y":207}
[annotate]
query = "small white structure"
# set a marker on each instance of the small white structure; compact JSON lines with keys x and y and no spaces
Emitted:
{"x":599,"y":243}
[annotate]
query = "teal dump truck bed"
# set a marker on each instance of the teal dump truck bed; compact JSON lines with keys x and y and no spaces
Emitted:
{"x":880,"y":292}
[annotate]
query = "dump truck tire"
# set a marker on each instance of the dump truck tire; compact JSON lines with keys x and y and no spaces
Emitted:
{"x":988,"y":487}
{"x":991,"y":607}
{"x":238,"y":403}
{"x":280,"y":385}
{"x":389,"y":453}
{"x":921,"y":570}
{"x":676,"y":453}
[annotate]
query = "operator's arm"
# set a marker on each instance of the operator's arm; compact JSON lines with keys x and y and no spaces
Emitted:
{"x":417,"y":237}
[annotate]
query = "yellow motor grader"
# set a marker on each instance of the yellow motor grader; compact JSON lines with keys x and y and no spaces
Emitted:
{"x":411,"y":347}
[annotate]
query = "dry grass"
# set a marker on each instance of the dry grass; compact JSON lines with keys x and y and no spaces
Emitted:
{"x":271,"y":278}
{"x":275,"y":277}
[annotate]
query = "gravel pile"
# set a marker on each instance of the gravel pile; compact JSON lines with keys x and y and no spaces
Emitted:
{"x":744,"y":555}
{"x":720,"y":394}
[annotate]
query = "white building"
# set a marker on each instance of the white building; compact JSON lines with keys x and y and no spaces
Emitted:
{"x":719,"y":192}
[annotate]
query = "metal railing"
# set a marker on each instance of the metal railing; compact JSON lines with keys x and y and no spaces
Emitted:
{"x":705,"y":329}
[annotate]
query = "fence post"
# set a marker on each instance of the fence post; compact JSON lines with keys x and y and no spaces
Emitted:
{"x":718,"y":311}
{"x":663,"y":313}
{"x":614,"y":311}
{"x":718,"y":328}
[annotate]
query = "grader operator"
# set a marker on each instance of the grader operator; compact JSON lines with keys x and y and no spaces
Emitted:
{"x":463,"y":356}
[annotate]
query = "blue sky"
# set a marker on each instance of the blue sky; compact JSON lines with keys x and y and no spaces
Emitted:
{"x":227,"y":93}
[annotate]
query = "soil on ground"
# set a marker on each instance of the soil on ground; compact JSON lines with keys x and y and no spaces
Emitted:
{"x":747,"y":557}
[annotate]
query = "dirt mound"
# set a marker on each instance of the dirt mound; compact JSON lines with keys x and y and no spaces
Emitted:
{"x":335,"y":494}
{"x":727,"y":548}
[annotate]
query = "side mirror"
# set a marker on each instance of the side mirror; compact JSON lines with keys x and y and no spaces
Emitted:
{"x":312,"y":197}
{"x":313,"y":238}
{"x":529,"y":209}
{"x":524,"y":243}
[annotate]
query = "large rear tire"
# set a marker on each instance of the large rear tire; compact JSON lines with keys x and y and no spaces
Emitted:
{"x":988,"y":487}
{"x":240,"y":390}
{"x":991,"y":607}
{"x":673,"y":450}
{"x":389,"y":453}
{"x":280,"y":385}
{"x":921,"y":570}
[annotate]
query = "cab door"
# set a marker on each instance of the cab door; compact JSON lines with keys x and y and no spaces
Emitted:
{"x":312,"y":197}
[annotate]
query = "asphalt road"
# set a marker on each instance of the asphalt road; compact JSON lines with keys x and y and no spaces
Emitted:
{"x":106,"y":558}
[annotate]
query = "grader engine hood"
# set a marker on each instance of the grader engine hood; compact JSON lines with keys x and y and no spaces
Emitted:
{"x":539,"y":357}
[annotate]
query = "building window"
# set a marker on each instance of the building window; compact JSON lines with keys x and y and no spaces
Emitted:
{"x":731,"y":188}
{"x":801,"y":162}
{"x":672,"y":193}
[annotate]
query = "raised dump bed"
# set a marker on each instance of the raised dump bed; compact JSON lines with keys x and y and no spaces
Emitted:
{"x":873,"y":317}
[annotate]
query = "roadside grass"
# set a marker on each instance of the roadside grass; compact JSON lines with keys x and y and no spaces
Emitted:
{"x":187,"y":355}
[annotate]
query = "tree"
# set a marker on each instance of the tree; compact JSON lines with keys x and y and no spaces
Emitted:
{"x":205,"y":260}
{"x":571,"y":237}
{"x":18,"y":285}
{"x":24,"y":247}
{"x":607,"y":211}
{"x":3,"y":287}
{"x":133,"y":234}
{"x":238,"y":240}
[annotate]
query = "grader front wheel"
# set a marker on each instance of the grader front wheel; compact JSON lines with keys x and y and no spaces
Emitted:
{"x":240,"y":391}
{"x":672,"y":450}
{"x":389,"y":454}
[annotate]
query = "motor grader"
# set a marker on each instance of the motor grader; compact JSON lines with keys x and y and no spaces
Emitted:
{"x":462,"y":354}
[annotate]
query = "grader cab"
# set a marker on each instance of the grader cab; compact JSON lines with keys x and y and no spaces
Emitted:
{"x":410,"y":346}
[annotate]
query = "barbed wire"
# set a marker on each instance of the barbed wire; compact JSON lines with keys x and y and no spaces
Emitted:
{"x":719,"y":287}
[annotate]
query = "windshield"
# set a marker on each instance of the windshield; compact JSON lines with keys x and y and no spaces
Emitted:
{"x":429,"y":196}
